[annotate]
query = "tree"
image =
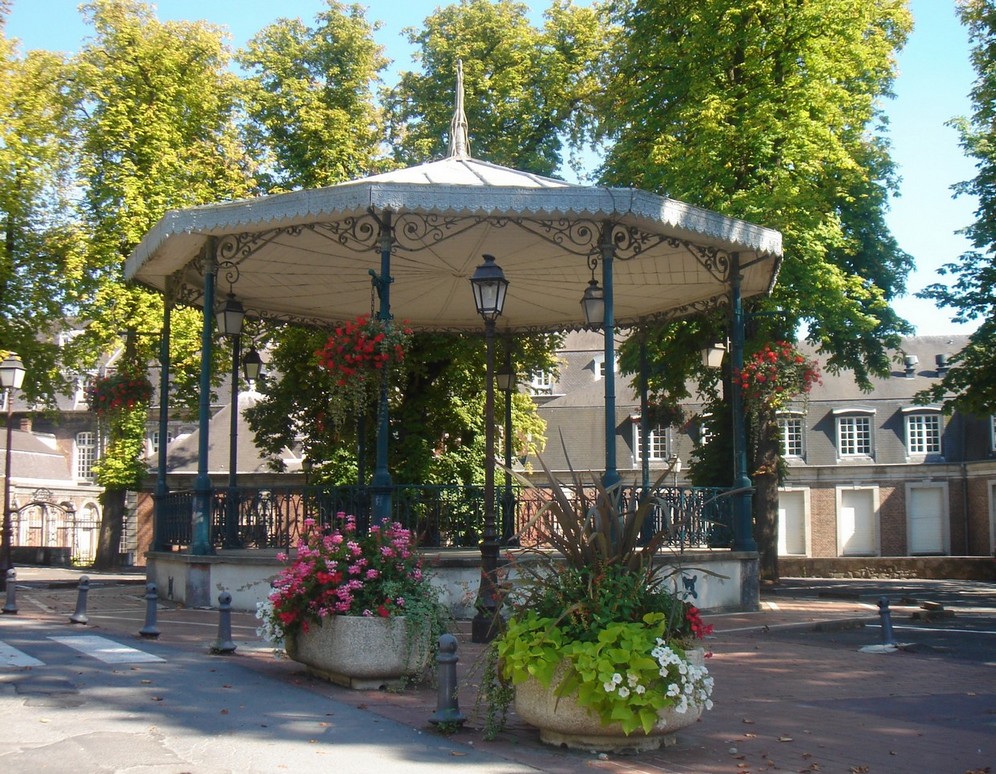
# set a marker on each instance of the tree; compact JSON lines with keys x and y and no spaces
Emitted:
{"x":156,"y":102}
{"x":442,"y":380}
{"x":309,"y":99}
{"x":771,"y":112}
{"x":526,"y":88}
{"x":40,"y":247}
{"x":970,"y":385}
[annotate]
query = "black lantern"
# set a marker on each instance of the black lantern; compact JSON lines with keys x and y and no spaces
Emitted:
{"x":593,"y":304}
{"x":252,"y":365}
{"x":489,"y":285}
{"x":230,"y":316}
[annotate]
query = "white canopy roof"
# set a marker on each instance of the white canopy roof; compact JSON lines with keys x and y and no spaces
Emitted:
{"x":307,"y":256}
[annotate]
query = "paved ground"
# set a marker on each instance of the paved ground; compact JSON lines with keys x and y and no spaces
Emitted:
{"x":794,"y":691}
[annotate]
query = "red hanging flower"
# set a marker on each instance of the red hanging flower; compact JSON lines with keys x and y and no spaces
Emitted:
{"x":777,"y":373}
{"x":118,"y":392}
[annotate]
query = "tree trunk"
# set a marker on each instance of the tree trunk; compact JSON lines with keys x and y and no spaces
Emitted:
{"x":111,"y":525}
{"x":765,"y":478}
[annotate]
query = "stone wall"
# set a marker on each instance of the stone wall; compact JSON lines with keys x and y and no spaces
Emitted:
{"x":938,"y":567}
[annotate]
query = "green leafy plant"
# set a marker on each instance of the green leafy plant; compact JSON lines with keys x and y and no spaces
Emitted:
{"x":602,"y":621}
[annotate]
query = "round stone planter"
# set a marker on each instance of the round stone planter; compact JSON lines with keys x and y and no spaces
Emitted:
{"x":360,"y":652}
{"x":562,"y":722}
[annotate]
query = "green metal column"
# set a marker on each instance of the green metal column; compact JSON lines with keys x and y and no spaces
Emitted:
{"x":159,"y":542}
{"x":647,"y":528}
{"x":382,"y":484}
{"x":201,"y":544}
{"x":743,"y":527}
{"x":611,"y":477}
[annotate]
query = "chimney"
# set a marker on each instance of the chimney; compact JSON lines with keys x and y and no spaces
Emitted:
{"x":912,"y":361}
{"x":25,"y":424}
{"x":942,"y":364}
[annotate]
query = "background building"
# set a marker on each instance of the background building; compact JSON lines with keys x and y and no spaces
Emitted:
{"x":869,"y":473}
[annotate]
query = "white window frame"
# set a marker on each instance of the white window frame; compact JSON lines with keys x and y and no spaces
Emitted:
{"x":992,"y":433}
{"x":705,"y":433}
{"x":153,"y":439}
{"x":598,"y":366}
{"x":784,"y":421}
{"x":658,"y":443}
{"x":844,"y":417}
{"x":84,"y":455}
{"x":922,"y":440}
{"x":807,"y":518}
{"x":876,"y":516}
{"x":541,"y":383}
{"x":945,"y":514}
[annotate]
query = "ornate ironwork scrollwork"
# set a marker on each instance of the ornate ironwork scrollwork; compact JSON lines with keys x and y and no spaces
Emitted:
{"x":715,"y":261}
{"x":415,"y":231}
{"x":578,"y":237}
{"x":358,"y":233}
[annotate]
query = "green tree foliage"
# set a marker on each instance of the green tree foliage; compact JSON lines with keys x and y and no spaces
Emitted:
{"x":971,"y":384}
{"x":442,"y":383}
{"x":40,"y":248}
{"x":156,"y":101}
{"x":771,"y":112}
{"x":309,"y":99}
{"x":526,"y":88}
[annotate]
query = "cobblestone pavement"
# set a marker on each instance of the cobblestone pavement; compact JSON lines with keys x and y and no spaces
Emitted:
{"x":811,"y":702}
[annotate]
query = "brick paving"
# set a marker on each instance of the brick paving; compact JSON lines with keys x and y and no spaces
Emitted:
{"x":800,"y":704}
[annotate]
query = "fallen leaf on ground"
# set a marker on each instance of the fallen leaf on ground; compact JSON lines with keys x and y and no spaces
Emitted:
{"x":785,"y":739}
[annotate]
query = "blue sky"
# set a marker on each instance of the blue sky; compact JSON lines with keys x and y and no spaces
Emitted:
{"x":933,"y":85}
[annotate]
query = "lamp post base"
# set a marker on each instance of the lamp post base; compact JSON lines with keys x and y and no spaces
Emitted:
{"x":486,"y":625}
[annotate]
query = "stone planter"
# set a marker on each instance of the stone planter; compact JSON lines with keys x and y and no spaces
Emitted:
{"x":562,"y":722}
{"x":360,"y":651}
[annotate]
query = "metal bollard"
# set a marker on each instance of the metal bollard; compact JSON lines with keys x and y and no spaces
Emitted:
{"x":10,"y":606}
{"x":150,"y":630}
{"x":886,"y":615}
{"x":447,"y":701}
{"x":224,"y":642}
{"x":79,"y":617}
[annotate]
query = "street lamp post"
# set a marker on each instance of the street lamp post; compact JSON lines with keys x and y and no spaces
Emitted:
{"x":229,"y":318}
{"x":506,"y":383}
{"x":11,"y":377}
{"x":489,"y":286}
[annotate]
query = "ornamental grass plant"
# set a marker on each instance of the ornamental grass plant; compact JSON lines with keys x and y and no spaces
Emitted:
{"x":598,"y":618}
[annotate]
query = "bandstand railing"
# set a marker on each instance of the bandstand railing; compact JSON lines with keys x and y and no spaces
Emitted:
{"x":440,"y":516}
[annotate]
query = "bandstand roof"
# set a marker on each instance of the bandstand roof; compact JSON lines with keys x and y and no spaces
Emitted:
{"x":307,"y":256}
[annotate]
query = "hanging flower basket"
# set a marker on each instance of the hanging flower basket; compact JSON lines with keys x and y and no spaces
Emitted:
{"x":776,"y":374}
{"x":360,"y":354}
{"x":118,"y":392}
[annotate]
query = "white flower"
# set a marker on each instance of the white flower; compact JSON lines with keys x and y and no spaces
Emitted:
{"x":623,"y":692}
{"x":609,"y":687}
{"x":617,"y":678}
{"x":641,"y":689}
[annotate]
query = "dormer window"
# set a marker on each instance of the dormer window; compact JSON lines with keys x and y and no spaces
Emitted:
{"x":598,"y":366}
{"x":658,"y":443}
{"x":854,"y":432}
{"x":541,"y":383}
{"x":923,"y":430}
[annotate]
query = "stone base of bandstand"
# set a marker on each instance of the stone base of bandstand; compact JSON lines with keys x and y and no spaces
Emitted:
{"x":713,"y":580}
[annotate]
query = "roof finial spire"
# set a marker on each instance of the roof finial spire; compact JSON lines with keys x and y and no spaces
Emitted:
{"x":459,"y":142}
